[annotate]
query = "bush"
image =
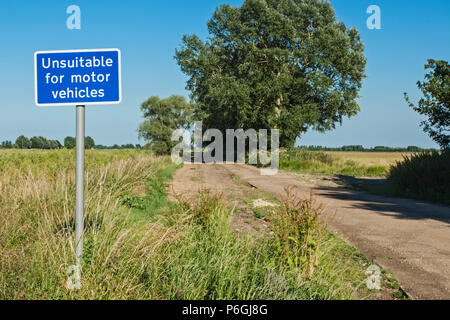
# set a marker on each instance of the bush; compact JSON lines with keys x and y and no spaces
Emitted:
{"x":424,"y":175}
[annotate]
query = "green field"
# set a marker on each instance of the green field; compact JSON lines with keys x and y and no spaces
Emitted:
{"x":140,"y":245}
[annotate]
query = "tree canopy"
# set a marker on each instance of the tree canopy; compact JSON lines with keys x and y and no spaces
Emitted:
{"x":89,"y":143}
{"x":23,"y":142}
{"x":435,"y":103}
{"x":69,"y":142}
{"x":286,"y":64}
{"x":44,"y":143}
{"x":162,"y":116}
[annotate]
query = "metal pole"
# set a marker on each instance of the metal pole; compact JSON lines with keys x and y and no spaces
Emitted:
{"x":79,"y":209}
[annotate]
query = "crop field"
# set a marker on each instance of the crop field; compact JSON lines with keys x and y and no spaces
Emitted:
{"x":355,"y":164}
{"x":385,"y":159}
{"x":141,"y":245}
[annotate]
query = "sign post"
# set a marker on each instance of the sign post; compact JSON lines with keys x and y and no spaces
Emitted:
{"x":78,"y":77}
{"x":79,"y":185}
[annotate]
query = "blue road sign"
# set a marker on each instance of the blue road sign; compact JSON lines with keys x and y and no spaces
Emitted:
{"x":77,"y":77}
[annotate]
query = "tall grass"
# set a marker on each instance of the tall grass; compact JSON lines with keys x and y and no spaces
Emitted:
{"x":153,"y":250}
{"x":318,"y":162}
{"x":424,"y":176}
{"x":36,"y":224}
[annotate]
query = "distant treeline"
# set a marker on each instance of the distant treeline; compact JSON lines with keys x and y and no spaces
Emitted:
{"x":359,"y":148}
{"x":23,"y":142}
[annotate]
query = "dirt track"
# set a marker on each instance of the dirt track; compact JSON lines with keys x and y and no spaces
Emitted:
{"x":409,"y":238}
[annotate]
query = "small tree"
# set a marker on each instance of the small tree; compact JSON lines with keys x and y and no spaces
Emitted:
{"x":70,"y":142}
{"x":435,"y":103}
{"x":89,"y":143}
{"x":23,"y":142}
{"x":162,"y":117}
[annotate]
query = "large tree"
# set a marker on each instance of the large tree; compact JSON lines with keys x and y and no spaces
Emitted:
{"x":286,"y":64}
{"x":435,"y":103}
{"x":162,"y":116}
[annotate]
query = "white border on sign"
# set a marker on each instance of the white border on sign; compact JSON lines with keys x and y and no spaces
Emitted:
{"x":77,"y":103}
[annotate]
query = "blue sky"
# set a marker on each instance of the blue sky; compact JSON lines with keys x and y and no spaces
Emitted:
{"x":147,"y":32}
